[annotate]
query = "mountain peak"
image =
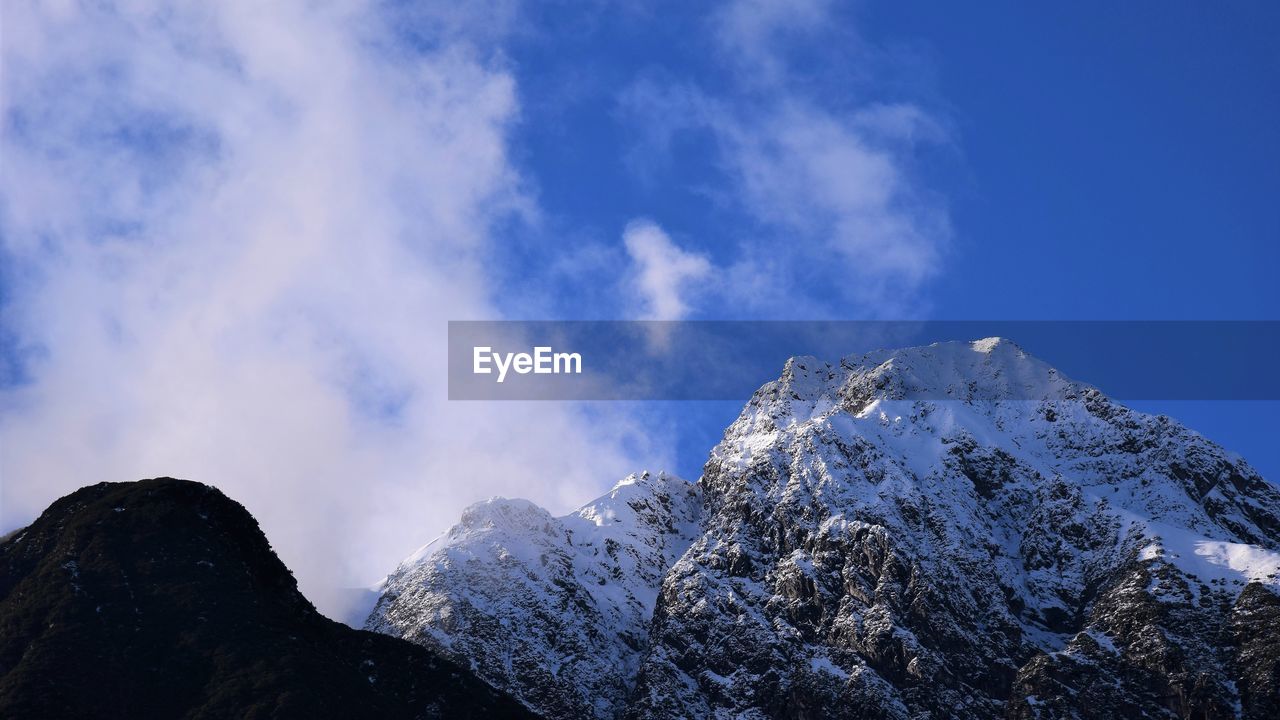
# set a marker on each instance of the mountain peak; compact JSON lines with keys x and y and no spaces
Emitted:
{"x":988,"y":369}
{"x":991,"y":344}
{"x":951,"y":530}
{"x":984,"y":370}
{"x":960,"y":530}
{"x":162,"y":598}
{"x":553,"y":609}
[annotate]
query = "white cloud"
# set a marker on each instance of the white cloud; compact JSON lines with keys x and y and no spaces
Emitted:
{"x":814,"y":175}
{"x":232,"y":234}
{"x":665,"y":274}
{"x":236,"y":231}
{"x":751,"y":30}
{"x":841,"y":225}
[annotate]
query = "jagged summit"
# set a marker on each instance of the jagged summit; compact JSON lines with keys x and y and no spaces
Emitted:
{"x":955,"y":530}
{"x":960,"y":530}
{"x":989,"y":369}
{"x":555,"y":610}
{"x":915,"y":404}
{"x":507,"y":516}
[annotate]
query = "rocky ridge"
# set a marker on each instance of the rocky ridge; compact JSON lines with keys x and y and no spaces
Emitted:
{"x":162,"y":599}
{"x":554,"y":610}
{"x":955,"y":530}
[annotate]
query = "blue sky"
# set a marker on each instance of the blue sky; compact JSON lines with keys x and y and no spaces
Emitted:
{"x":1101,"y":160}
{"x":231,"y":234}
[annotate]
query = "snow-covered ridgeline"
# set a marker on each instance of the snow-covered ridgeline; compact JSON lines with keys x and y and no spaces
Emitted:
{"x":955,"y":530}
{"x":948,"y":527}
{"x":554,"y":610}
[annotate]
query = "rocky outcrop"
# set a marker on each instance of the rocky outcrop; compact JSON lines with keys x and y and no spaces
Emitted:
{"x":554,"y":610}
{"x":162,"y":599}
{"x":891,"y":537}
{"x":951,"y":531}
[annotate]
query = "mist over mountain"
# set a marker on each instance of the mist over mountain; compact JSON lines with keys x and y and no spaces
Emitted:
{"x":888,"y":536}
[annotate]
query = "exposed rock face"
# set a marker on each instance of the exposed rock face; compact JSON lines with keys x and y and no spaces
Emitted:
{"x":952,"y":531}
{"x":555,"y":610}
{"x":873,"y":549}
{"x":162,"y":599}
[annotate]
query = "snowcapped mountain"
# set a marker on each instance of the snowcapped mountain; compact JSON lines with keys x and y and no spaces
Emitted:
{"x":553,"y":610}
{"x":955,"y":530}
{"x":887,"y":537}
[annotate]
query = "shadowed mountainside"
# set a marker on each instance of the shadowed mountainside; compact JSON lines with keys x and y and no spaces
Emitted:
{"x":162,"y":599}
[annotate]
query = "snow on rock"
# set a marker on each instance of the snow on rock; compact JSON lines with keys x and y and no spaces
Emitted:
{"x":954,"y":531}
{"x":1211,"y":561}
{"x":553,"y":610}
{"x":959,"y":530}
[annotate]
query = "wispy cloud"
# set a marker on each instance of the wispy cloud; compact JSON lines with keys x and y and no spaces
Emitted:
{"x":232,"y":235}
{"x":754,"y":33}
{"x":841,"y":225}
{"x":665,"y":274}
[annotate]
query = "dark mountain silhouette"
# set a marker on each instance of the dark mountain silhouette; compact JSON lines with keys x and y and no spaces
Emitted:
{"x":162,"y":599}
